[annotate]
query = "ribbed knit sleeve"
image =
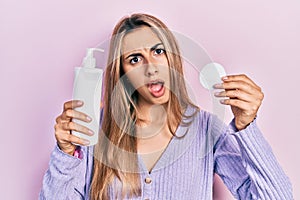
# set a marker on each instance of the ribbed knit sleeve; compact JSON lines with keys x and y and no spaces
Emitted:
{"x":247,"y":165}
{"x":65,"y":178}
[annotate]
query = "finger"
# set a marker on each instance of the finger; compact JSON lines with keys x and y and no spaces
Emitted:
{"x":60,"y":132}
{"x":58,"y":128}
{"x":248,"y":108}
{"x":236,"y":94}
{"x":68,"y":138}
{"x":77,"y":127}
{"x":240,"y":85}
{"x":70,"y":114}
{"x":72,"y":104}
{"x":58,"y":119}
{"x":235,"y":102}
{"x":240,"y":77}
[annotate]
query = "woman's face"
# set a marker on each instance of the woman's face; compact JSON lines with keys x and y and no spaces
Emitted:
{"x":146,"y":66}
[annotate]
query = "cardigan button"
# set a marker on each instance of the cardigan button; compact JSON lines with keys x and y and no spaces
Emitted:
{"x":148,"y":180}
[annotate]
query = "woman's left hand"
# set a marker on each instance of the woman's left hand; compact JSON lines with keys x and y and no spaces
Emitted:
{"x":245,"y":98}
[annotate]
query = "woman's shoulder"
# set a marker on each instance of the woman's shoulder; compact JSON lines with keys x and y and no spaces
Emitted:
{"x":196,"y":113}
{"x":204,"y":129}
{"x":204,"y":121}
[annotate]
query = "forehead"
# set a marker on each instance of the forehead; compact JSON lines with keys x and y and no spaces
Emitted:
{"x":139,"y":38}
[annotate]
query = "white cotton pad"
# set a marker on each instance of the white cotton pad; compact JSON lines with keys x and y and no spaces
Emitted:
{"x":211,"y":74}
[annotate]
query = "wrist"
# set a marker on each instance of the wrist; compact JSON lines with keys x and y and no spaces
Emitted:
{"x":240,"y":125}
{"x":69,"y":150}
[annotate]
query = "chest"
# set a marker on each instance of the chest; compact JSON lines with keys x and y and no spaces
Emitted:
{"x":179,"y":176}
{"x":151,"y":149}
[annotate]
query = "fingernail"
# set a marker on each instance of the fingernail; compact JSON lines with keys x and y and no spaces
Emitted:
{"x":224,"y":78}
{"x":79,"y":103}
{"x":222,"y":101}
{"x":91,"y":132}
{"x":88,"y":118}
{"x":218,"y":85}
{"x":86,"y":142}
{"x":217,"y":93}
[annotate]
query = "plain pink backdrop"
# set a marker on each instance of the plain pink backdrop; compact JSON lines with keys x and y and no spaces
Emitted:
{"x":42,"y":41}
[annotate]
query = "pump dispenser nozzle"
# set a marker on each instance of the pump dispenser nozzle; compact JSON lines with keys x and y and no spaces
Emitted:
{"x":89,"y":61}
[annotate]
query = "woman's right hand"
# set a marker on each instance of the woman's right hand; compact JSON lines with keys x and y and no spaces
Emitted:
{"x":64,"y":125}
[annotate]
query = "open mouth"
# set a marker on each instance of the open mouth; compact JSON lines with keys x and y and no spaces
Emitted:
{"x":156,"y":88}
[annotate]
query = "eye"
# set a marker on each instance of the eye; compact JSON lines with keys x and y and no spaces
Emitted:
{"x":135,"y":60}
{"x":159,"y":51}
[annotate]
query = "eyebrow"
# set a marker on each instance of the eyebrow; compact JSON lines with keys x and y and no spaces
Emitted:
{"x":155,"y":46}
{"x":138,"y":54}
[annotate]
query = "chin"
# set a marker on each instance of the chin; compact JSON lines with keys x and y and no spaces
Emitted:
{"x":161,"y":100}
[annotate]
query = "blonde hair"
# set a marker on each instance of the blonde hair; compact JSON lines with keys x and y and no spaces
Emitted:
{"x":119,"y":113}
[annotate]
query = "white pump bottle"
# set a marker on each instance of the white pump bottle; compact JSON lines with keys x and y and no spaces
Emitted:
{"x":88,"y":88}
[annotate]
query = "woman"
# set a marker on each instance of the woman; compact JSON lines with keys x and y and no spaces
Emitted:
{"x":154,"y":142}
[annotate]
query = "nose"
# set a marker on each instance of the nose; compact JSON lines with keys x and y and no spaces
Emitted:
{"x":151,"y":69}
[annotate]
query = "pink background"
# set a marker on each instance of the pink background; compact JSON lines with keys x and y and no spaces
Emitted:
{"x":42,"y":41}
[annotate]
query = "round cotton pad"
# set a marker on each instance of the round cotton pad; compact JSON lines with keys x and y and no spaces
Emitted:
{"x":211,"y":74}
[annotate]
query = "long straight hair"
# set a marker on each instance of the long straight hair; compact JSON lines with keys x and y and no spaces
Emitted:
{"x":115,"y":155}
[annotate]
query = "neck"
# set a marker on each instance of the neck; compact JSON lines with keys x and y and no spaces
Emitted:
{"x":151,"y":113}
{"x":151,"y":119}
